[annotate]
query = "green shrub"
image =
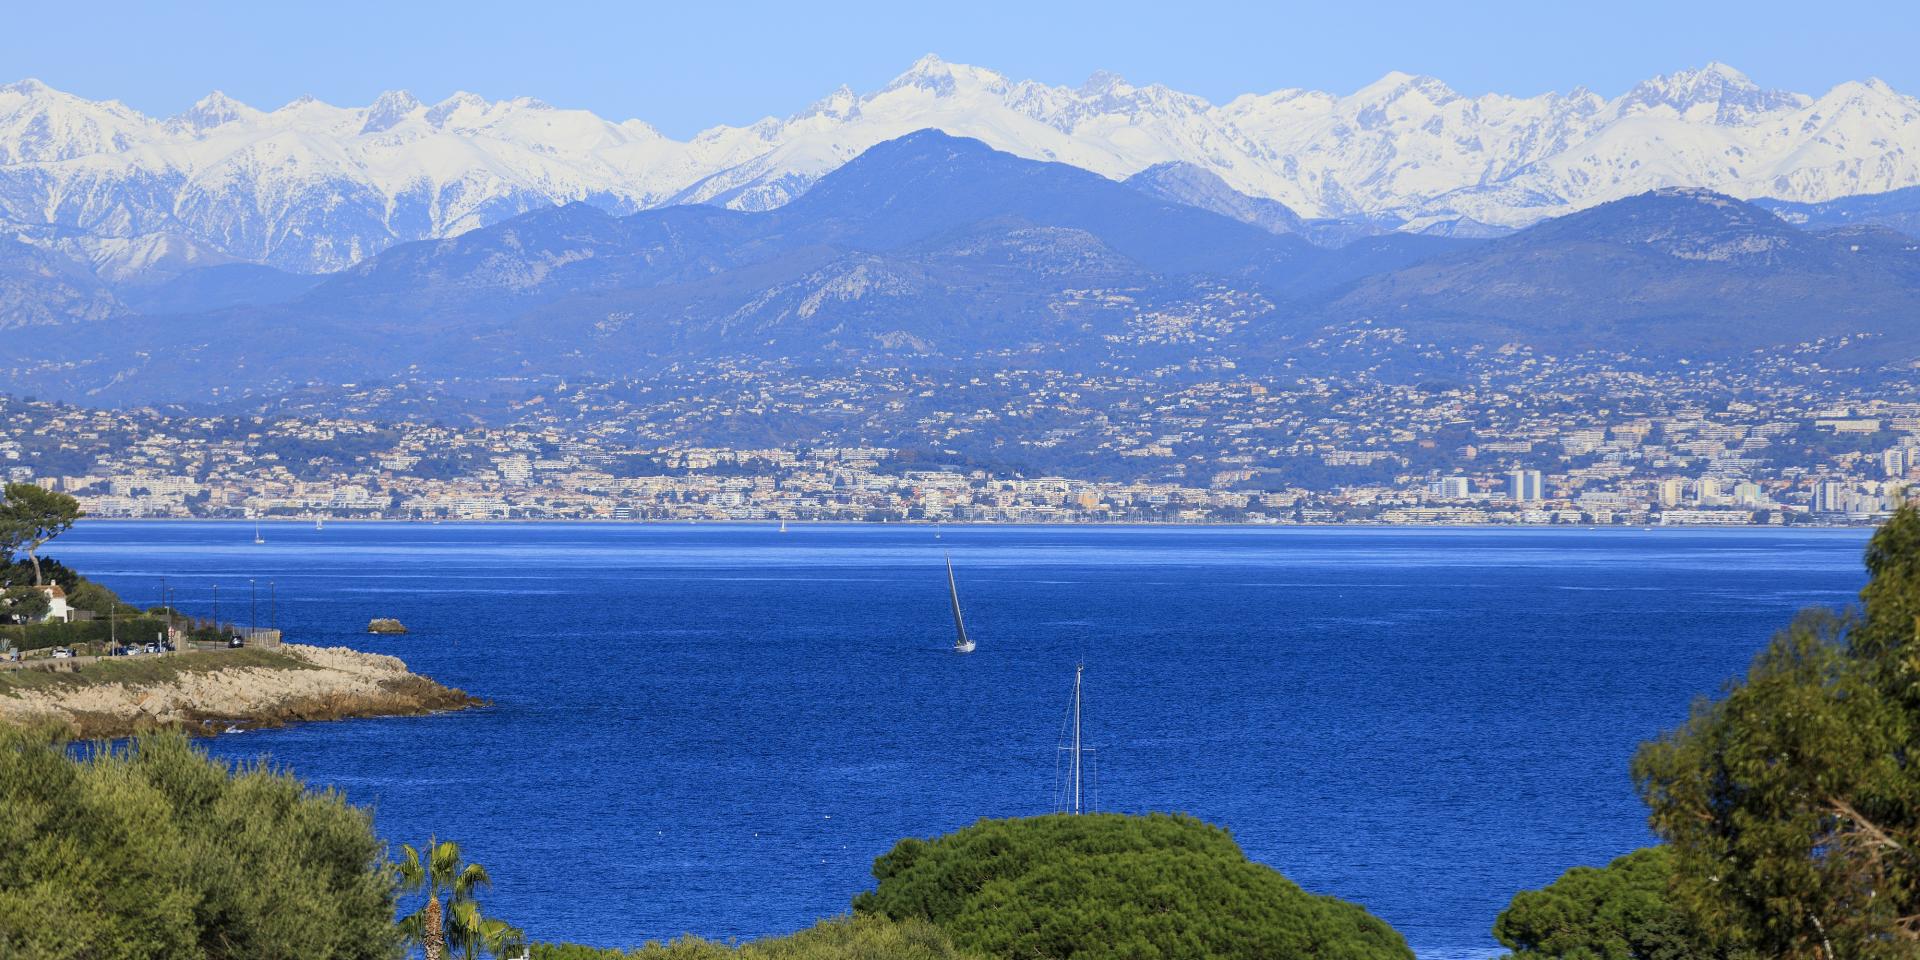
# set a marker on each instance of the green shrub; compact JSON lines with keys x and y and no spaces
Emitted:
{"x":155,"y":851}
{"x":1109,"y":886}
{"x":1623,"y":911}
{"x":40,"y":636}
{"x":842,"y":938}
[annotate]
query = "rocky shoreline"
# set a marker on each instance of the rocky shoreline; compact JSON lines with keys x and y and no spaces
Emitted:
{"x":210,"y":693}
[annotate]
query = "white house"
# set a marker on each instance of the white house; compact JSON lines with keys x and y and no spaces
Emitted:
{"x":57,"y":608}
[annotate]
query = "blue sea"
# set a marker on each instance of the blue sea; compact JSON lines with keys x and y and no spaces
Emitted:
{"x":715,"y":729}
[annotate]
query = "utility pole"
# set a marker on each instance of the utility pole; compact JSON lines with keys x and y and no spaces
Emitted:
{"x":253,"y":607}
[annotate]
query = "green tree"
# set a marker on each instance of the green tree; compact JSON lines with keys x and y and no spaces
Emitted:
{"x":1622,"y":911}
{"x":1109,"y":886}
{"x":840,"y":938}
{"x":1793,"y":803}
{"x":24,"y":604}
{"x":155,"y":852}
{"x":473,"y":936}
{"x":36,"y":515}
{"x":437,"y":872}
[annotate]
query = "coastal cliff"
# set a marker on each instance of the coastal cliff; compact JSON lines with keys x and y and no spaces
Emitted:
{"x":213,"y":691}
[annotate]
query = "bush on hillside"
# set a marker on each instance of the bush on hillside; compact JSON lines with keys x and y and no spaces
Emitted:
{"x":1108,"y":886}
{"x":155,"y":852}
{"x":1623,"y":911}
{"x":843,"y":938}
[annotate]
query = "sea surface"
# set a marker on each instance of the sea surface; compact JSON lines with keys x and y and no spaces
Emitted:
{"x":715,"y":729}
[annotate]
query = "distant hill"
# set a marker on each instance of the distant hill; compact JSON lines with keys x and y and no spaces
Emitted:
{"x":39,"y":286}
{"x":933,"y":249}
{"x":216,"y":288}
{"x":1671,"y":271}
{"x":1898,"y":209}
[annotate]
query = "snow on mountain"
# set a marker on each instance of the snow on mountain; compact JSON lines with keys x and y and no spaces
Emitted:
{"x":312,"y":187}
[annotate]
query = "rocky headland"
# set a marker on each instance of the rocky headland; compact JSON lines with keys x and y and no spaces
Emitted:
{"x":216,"y":691}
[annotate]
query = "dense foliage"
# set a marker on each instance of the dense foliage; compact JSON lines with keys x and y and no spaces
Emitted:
{"x":1793,"y":804}
{"x":155,"y":851}
{"x":1618,"y":912}
{"x":1105,"y":885}
{"x":844,"y":938}
{"x":30,"y":516}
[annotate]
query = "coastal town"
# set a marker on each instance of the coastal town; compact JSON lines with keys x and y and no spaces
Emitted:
{"x":1508,"y":437}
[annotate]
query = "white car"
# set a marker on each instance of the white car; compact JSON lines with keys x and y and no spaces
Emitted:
{"x":61,"y":653}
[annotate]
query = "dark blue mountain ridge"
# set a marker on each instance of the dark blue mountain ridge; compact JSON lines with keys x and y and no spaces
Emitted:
{"x":933,"y":249}
{"x":217,"y":287}
{"x":1670,"y":271}
{"x":928,"y":183}
{"x":1897,"y":209}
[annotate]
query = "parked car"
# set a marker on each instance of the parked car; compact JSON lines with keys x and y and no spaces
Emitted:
{"x":62,"y":653}
{"x":235,"y":642}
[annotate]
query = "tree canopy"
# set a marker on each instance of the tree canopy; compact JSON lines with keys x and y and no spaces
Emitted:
{"x":30,"y":516}
{"x":841,"y":938}
{"x":1109,"y":886}
{"x":1792,"y":804}
{"x":1618,"y":912}
{"x":155,"y":852}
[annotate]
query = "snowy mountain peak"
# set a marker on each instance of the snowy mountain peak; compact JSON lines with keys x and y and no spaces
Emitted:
{"x":1716,"y":94}
{"x":213,"y":110}
{"x":463,"y":106}
{"x":841,"y":104}
{"x":312,"y":186}
{"x":943,"y":79}
{"x":1102,"y":83}
{"x":389,"y":109}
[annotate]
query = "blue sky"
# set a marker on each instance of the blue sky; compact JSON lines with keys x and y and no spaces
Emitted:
{"x":687,"y":66}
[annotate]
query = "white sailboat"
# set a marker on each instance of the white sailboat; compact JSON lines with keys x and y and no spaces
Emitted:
{"x":962,"y":643}
{"x":1075,"y":769}
{"x":257,"y":538}
{"x":319,"y":523}
{"x":783,"y":524}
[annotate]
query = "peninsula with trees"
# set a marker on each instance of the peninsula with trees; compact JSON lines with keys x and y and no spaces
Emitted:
{"x":75,"y":656}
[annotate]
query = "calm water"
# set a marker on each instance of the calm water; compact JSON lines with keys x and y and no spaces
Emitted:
{"x":716,"y":729}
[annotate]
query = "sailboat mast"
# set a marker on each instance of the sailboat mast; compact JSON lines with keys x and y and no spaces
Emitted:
{"x":953,"y":590}
{"x":1077,"y":668}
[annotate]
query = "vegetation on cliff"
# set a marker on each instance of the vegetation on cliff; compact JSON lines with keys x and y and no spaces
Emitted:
{"x":155,"y":851}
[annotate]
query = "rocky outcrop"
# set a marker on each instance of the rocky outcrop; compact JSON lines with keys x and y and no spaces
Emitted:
{"x":212,"y":693}
{"x":385,"y":625}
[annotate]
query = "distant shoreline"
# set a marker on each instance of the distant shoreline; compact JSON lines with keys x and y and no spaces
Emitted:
{"x":307,"y":522}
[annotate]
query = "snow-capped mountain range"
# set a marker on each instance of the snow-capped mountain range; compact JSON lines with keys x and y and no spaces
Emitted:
{"x":311,"y":187}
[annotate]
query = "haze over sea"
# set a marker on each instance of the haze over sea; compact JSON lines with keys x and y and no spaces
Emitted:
{"x":715,"y":729}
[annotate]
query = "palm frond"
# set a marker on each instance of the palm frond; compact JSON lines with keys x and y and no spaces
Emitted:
{"x":472,"y":878}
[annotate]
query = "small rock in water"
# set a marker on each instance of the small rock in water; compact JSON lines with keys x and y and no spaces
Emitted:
{"x":385,"y":625}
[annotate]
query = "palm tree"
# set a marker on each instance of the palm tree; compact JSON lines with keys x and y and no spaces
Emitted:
{"x":438,"y":872}
{"x":474,"y":936}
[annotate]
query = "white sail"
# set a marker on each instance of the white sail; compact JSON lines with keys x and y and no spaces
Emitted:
{"x":961,"y":643}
